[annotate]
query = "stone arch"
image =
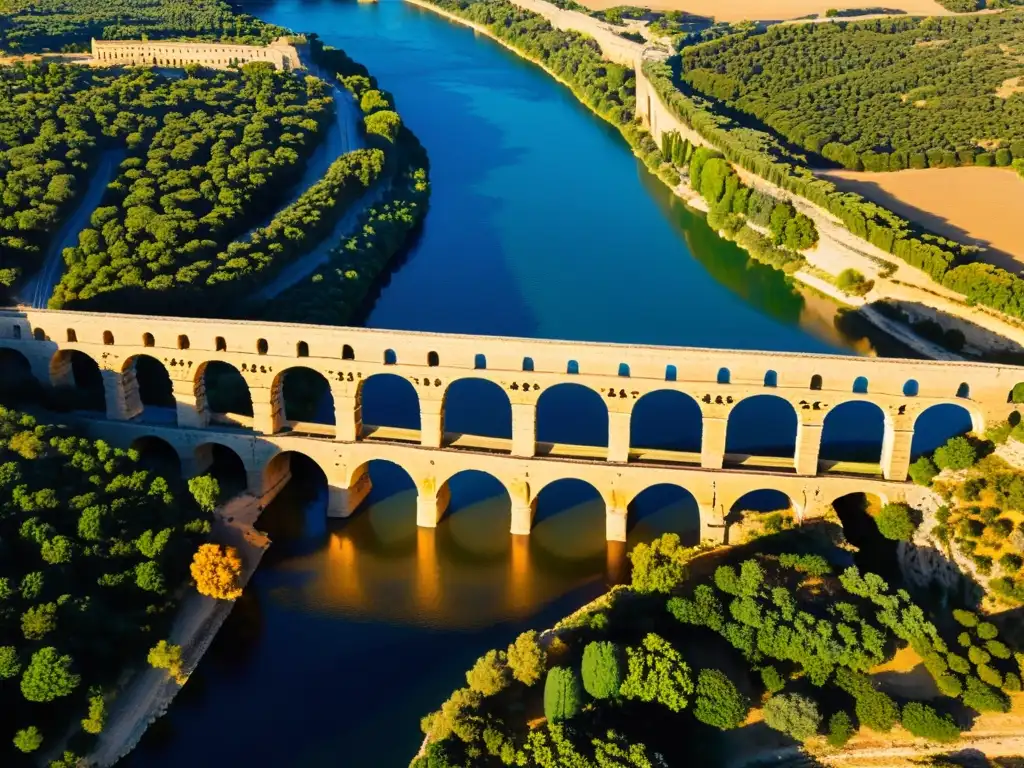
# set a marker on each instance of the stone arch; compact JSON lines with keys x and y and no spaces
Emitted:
{"x":390,"y":358}
{"x":222,"y":389}
{"x":964,"y":391}
{"x":108,"y":338}
{"x":937,"y":423}
{"x":148,"y":380}
{"x":766,"y":509}
{"x":347,"y":353}
{"x":312,"y":484}
{"x":666,"y":420}
{"x":157,"y":454}
{"x":664,"y":508}
{"x":262,"y":347}
{"x":771,"y":379}
{"x":39,"y":334}
{"x":624,"y":370}
{"x":79,"y":377}
{"x":302,"y":349}
{"x":477,"y":406}
{"x":220,"y":344}
{"x":183,"y":342}
{"x":148,"y":340}
{"x":527,"y":363}
{"x":388,"y":400}
{"x":860,"y":385}
{"x":569,"y":505}
{"x":304,"y":394}
{"x":16,"y":377}
{"x":573,"y":414}
{"x":466,"y":489}
{"x":226,"y":465}
{"x":378,"y":480}
{"x":853,"y":430}
{"x":762,"y":425}
{"x":816,"y":382}
{"x":433,"y":360}
{"x":572,"y":367}
{"x":72,"y":336}
{"x":671,"y":373}
{"x":911,"y":388}
{"x":480,"y":362}
{"x":724,"y":376}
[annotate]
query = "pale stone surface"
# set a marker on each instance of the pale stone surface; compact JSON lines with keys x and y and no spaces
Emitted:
{"x":169,"y":53}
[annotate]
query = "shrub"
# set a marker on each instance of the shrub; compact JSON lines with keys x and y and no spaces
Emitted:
{"x":48,"y":676}
{"x":990,"y":676}
{"x":772,"y":680}
{"x":458,"y":716}
{"x":984,"y":698}
{"x":563,"y":694}
{"x":987,"y":631}
{"x":895,"y":521}
{"x":657,"y":672}
{"x":923,"y":471}
{"x":958,"y":663}
{"x":978,"y":655}
{"x":1011,"y":563}
{"x":853,"y":282}
{"x":28,"y":739}
{"x":719,"y":703}
{"x":661,"y":565}
{"x":217,"y":571}
{"x":922,"y":720}
{"x":877,"y":711}
{"x":957,"y":453}
{"x":206,"y":491}
{"x":97,"y":717}
{"x":795,"y":715}
{"x":949,"y":685}
{"x":997,"y":649}
{"x":163,"y":655}
{"x":526,"y":658}
{"x":602,"y":669}
{"x":965,"y":618}
{"x":840,"y":729}
{"x":1011,"y":682}
{"x":490,"y":674}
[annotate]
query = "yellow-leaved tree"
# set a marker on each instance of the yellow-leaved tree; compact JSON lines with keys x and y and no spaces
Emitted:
{"x":216,"y":570}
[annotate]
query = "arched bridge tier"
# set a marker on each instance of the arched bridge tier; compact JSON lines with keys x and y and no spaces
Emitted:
{"x":717,"y":381}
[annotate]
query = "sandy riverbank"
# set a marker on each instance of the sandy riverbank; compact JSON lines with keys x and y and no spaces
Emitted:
{"x":741,"y":10}
{"x":150,"y":691}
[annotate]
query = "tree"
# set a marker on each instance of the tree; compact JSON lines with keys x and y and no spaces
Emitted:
{"x":923,"y":471}
{"x":97,"y":717}
{"x":526,"y":658}
{"x":490,"y":674}
{"x":985,"y":698}
{"x":48,"y":676}
{"x":840,"y":729}
{"x":28,"y":739}
{"x":38,"y":621}
{"x":10,"y":664}
{"x":217,"y":570}
{"x":792,"y":714}
{"x":661,"y":565}
{"x":206,"y":491}
{"x":922,"y":720}
{"x":602,"y":669}
{"x":164,"y":655}
{"x":563,"y":694}
{"x":719,"y":703}
{"x":895,"y":521}
{"x":957,"y":453}
{"x":657,"y":672}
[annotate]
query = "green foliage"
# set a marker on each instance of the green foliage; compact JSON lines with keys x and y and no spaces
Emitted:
{"x":459,"y":716}
{"x":10,"y":664}
{"x":657,"y":672}
{"x":923,"y":471}
{"x":984,"y":698}
{"x":703,"y":610}
{"x":957,"y":453}
{"x":526,"y":659}
{"x":874,"y":709}
{"x":719,"y":703}
{"x":813,"y":565}
{"x":840,"y":729}
{"x":48,"y":676}
{"x":793,"y":714}
{"x":661,"y":565}
{"x":922,"y":720}
{"x":772,"y":680}
{"x":853,"y":282}
{"x":490,"y":674}
{"x":206,"y":491}
{"x":563,"y":694}
{"x":895,"y":521}
{"x":28,"y":739}
{"x":97,"y":717}
{"x":986,"y":630}
{"x":602,"y":669}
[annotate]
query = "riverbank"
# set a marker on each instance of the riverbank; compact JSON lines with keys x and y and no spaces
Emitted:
{"x":150,"y":692}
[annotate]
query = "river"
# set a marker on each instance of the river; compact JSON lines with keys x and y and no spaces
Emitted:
{"x":543,"y":224}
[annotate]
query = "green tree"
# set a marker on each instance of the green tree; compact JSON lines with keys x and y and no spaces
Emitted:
{"x":490,"y":674}
{"x":563,"y":694}
{"x":957,"y":453}
{"x":656,"y":672}
{"x":923,"y":471}
{"x":896,"y":521}
{"x":38,"y":621}
{"x":28,"y":739}
{"x":661,"y":565}
{"x":922,"y":720}
{"x":97,"y":718}
{"x":48,"y":676}
{"x":526,"y":658}
{"x":164,"y":655}
{"x":719,"y":703}
{"x":602,"y":669}
{"x":206,"y":491}
{"x":840,"y":729}
{"x":10,"y":664}
{"x":792,"y":714}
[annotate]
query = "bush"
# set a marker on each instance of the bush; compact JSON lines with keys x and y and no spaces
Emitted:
{"x":163,"y":655}
{"x":719,"y":703}
{"x":526,"y":658}
{"x":922,"y":720}
{"x":923,"y":471}
{"x":949,"y":685}
{"x":772,"y":680}
{"x":998,"y":649}
{"x":563,"y":694}
{"x":877,"y":711}
{"x":602,"y":669}
{"x":957,"y":453}
{"x":987,"y":631}
{"x":978,"y":655}
{"x":1011,"y":682}
{"x":895,"y":521}
{"x":965,"y":618}
{"x":958,"y":663}
{"x":661,"y":565}
{"x":1011,"y":563}
{"x":984,"y":698}
{"x":657,"y":672}
{"x":840,"y":729}
{"x":795,"y":715}
{"x":490,"y":674}
{"x":851,"y":281}
{"x":28,"y":739}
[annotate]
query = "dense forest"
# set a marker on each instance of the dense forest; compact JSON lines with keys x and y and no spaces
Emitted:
{"x":878,"y":95}
{"x":34,"y":25}
{"x":93,"y":546}
{"x":641,"y":675}
{"x":209,"y":153}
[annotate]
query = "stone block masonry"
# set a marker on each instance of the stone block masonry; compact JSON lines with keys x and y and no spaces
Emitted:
{"x":169,"y":53}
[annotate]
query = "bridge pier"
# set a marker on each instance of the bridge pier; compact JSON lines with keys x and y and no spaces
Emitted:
{"x":431,"y":423}
{"x":348,"y":417}
{"x":267,"y":409}
{"x":712,"y":443}
{"x":522,"y":516}
{"x":190,"y":403}
{"x":524,"y":429}
{"x":121,"y":395}
{"x":615,"y":523}
{"x":808,"y":448}
{"x":618,"y":437}
{"x":431,"y":504}
{"x":196,"y":462}
{"x":896,"y":453}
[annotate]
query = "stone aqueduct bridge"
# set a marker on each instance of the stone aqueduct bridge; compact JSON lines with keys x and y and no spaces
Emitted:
{"x":168,"y":53}
{"x":524,"y":369}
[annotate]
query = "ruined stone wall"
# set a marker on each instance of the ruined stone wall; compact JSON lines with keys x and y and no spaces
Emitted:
{"x":169,"y":53}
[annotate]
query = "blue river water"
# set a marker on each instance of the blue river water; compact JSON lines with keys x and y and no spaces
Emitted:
{"x":542,"y":224}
